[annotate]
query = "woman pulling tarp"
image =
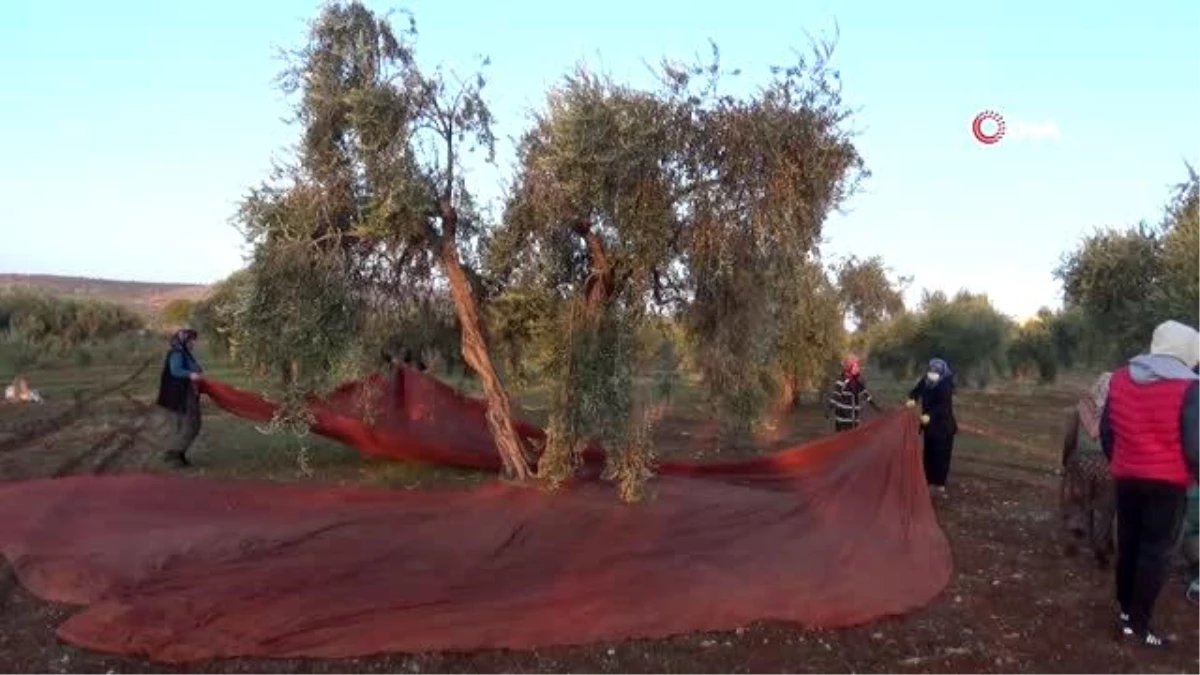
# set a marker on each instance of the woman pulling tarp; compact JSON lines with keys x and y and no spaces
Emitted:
{"x":935,"y":392}
{"x":178,"y":393}
{"x":1086,"y":499}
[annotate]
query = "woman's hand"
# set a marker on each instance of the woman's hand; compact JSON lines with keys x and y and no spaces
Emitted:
{"x":194,"y":376}
{"x":909,"y":403}
{"x":924,"y":420}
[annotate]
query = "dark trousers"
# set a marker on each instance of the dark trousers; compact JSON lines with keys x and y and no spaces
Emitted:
{"x":186,"y":425}
{"x":938,"y":449}
{"x":1149,"y":518}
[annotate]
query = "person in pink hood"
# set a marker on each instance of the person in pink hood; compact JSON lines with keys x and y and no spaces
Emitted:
{"x":848,"y":396}
{"x":1149,"y":433}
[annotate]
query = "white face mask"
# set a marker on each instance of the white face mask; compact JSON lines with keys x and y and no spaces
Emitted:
{"x":933,"y":377}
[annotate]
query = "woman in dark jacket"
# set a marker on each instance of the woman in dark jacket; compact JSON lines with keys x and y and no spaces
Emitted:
{"x":178,"y":393}
{"x":935,"y":392}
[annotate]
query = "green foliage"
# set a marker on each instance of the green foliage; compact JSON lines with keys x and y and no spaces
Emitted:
{"x":1181,"y":252}
{"x":523,"y":324}
{"x":738,"y":363}
{"x":685,"y":200}
{"x":629,"y":204}
{"x":216,"y":316}
{"x":347,"y":239}
{"x":764,"y":172}
{"x":299,"y":322}
{"x":966,"y":330}
{"x":664,"y":343}
{"x":57,"y":326}
{"x":177,"y":312}
{"x":890,"y":346}
{"x":1068,"y":333}
{"x":813,"y":340}
{"x":420,"y":322}
{"x":1050,"y":342}
{"x":867,"y":293}
{"x":592,"y":397}
{"x":591,"y":172}
{"x":1033,"y":351}
{"x":1116,"y":278}
{"x":1127,"y":281}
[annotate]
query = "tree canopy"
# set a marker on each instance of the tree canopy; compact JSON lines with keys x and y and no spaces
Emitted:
{"x":679,"y":200}
{"x":868,"y":293}
{"x":677,"y":208}
{"x":358,"y":236}
{"x":1126,"y":281}
{"x":966,"y":330}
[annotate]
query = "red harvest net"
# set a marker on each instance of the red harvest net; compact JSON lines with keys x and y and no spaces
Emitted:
{"x":830,"y":533}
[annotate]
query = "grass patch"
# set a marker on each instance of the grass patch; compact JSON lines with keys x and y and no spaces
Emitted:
{"x":1019,"y":425}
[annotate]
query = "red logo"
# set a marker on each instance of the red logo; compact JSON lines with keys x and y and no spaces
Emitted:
{"x":988,"y":137}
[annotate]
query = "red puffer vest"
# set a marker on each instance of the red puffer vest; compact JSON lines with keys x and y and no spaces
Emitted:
{"x":1145,"y":419}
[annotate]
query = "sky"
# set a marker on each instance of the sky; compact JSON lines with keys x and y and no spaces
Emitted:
{"x":129,"y":130}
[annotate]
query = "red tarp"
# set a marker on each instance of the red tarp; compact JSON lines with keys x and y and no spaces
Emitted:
{"x":830,"y":533}
{"x":412,"y":416}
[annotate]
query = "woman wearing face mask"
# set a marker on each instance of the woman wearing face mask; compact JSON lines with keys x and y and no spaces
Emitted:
{"x":935,"y":392}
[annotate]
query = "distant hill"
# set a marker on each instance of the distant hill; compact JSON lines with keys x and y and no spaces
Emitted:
{"x":141,"y":296}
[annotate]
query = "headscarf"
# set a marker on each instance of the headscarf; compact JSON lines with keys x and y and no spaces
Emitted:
{"x":1091,"y":406}
{"x":851,"y":367}
{"x":1177,"y":340}
{"x":940,"y":367}
{"x":180,"y":339}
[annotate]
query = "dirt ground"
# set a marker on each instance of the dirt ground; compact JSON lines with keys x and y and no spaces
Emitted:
{"x":1014,"y":604}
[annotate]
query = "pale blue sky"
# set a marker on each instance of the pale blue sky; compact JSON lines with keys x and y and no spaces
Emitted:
{"x":130,"y":129}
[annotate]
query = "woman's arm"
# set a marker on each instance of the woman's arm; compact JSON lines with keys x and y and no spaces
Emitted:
{"x":1106,"y":431}
{"x":178,"y":366}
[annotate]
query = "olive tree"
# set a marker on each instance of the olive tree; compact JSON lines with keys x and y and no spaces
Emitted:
{"x":588,"y":237}
{"x":357,"y":238}
{"x":677,"y":200}
{"x":1115,"y":277}
{"x":761,"y":173}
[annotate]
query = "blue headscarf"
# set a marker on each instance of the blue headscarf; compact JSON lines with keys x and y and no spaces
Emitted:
{"x":940,"y":367}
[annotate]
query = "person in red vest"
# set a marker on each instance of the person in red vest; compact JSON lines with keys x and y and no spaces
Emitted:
{"x":1149,"y":433}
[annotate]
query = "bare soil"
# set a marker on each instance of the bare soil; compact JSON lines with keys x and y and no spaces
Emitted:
{"x":1014,"y":604}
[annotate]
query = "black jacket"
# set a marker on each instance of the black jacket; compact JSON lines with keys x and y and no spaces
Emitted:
{"x":937,"y":401}
{"x":173,"y":392}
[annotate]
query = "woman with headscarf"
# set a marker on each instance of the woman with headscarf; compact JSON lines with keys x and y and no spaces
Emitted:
{"x":179,"y":393}
{"x":1086,"y":498}
{"x":935,"y":392}
{"x":847,"y":397}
